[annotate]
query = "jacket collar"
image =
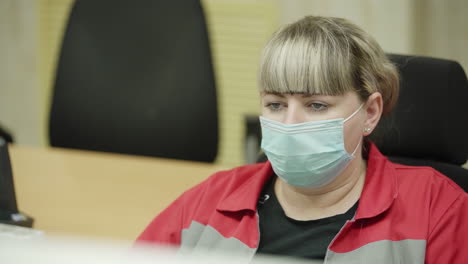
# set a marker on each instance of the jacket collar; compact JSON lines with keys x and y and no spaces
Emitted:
{"x":380,"y":187}
{"x":245,"y":196}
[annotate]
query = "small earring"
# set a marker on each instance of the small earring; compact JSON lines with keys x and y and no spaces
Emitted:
{"x":367,"y":129}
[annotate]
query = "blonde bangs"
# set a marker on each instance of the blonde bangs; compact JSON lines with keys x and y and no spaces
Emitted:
{"x":301,"y":61}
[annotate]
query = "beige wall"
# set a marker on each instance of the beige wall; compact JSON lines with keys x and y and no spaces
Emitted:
{"x":423,"y":27}
{"x":31,"y":31}
{"x":388,"y":21}
{"x":442,"y":29}
{"x":19,"y":91}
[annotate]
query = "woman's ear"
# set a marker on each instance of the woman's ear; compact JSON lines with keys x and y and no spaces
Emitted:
{"x":373,"y":108}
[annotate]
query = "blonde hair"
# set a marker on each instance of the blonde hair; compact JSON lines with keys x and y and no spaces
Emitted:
{"x":328,"y":56}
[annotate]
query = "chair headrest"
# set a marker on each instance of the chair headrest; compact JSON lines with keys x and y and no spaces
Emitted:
{"x":430,"y":120}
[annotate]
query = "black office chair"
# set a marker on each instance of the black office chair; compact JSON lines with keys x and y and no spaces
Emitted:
{"x":136,"y":78}
{"x":428,"y":126}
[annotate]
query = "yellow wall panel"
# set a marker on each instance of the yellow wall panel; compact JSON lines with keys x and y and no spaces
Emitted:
{"x":238,"y":31}
{"x":53,"y":15}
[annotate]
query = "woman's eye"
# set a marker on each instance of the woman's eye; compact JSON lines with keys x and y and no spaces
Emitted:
{"x":274,"y":106}
{"x":318,"y":107}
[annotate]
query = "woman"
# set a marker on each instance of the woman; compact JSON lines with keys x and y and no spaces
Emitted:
{"x":326,"y":192}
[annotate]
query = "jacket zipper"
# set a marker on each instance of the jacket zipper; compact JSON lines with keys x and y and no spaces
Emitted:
{"x":258,"y":231}
{"x":333,"y":240}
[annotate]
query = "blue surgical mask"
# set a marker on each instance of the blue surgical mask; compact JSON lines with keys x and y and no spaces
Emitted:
{"x":310,"y":154}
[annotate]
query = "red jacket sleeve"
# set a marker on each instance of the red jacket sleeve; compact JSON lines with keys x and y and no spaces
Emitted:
{"x":448,"y":240}
{"x":166,"y":228}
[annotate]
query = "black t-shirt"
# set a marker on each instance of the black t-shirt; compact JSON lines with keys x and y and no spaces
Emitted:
{"x":281,"y":235}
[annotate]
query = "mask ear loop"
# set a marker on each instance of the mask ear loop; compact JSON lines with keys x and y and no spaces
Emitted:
{"x":359,"y":144}
{"x":349,"y":117}
{"x":355,"y":112}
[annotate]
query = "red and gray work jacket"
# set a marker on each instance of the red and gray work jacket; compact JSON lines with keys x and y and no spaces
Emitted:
{"x":405,"y":215}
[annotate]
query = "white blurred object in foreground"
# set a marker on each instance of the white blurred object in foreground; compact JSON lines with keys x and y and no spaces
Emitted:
{"x":25,"y":246}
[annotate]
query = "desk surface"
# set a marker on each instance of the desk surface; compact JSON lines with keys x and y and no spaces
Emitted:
{"x":94,"y":194}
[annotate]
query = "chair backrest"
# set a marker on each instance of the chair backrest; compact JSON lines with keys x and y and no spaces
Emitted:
{"x":136,"y":78}
{"x":8,"y":203}
{"x":429,"y":125}
{"x":429,"y":121}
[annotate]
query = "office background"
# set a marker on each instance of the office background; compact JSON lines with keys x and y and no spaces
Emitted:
{"x":31,"y":32}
